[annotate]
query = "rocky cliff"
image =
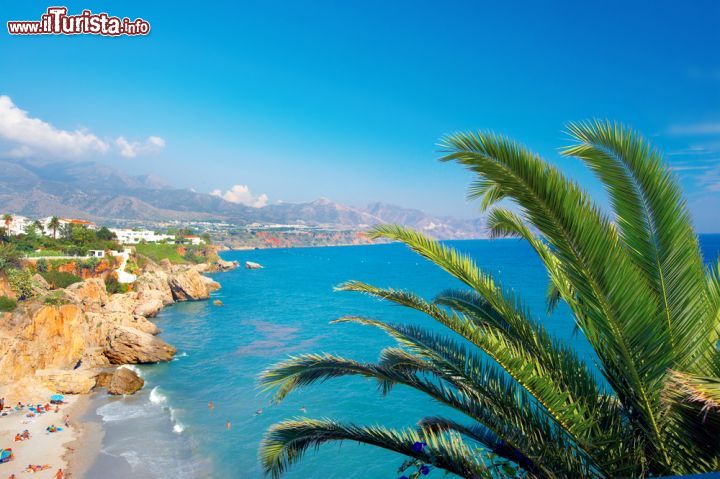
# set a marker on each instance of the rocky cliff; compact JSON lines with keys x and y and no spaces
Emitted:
{"x":65,"y":347}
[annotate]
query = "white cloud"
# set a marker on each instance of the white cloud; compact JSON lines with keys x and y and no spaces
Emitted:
{"x":241,"y":194}
{"x":25,"y":136}
{"x":131,"y":149}
{"x":695,"y":129}
{"x":32,"y":135}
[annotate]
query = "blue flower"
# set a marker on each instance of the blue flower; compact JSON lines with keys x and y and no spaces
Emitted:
{"x":419,"y":446}
{"x":424,"y":470}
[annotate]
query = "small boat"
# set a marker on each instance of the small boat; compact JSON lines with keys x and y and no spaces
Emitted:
{"x":251,"y":265}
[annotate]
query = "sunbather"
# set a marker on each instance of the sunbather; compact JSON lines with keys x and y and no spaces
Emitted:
{"x":18,"y":438}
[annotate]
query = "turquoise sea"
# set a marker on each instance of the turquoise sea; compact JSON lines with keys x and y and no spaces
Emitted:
{"x":168,"y":430}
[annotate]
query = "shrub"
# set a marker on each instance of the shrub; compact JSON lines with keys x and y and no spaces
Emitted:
{"x":9,"y":256}
{"x":113,"y":286}
{"x":7,"y":304}
{"x":56,"y":298}
{"x":42,"y":265}
{"x":21,"y":282}
{"x":60,"y":279}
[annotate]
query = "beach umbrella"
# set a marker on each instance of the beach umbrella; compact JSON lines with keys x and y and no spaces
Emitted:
{"x":5,"y":455}
{"x":56,"y":397}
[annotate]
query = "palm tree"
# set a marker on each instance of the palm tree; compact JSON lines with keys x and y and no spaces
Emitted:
{"x":54,"y":225}
{"x":638,"y":291}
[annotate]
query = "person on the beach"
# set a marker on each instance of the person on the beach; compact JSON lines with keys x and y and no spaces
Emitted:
{"x":59,"y":474}
{"x":2,"y":404}
{"x":57,"y":408}
{"x":67,"y":420}
{"x":18,"y":437}
{"x":26,"y":434}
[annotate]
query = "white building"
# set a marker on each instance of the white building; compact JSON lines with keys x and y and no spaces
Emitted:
{"x":45,"y":222}
{"x":130,"y":236}
{"x":16,"y":224}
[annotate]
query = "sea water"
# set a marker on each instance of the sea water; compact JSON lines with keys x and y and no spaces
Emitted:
{"x":168,"y":430}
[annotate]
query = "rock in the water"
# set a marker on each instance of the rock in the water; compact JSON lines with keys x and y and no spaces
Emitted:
{"x":217,"y":302}
{"x":125,"y":381}
{"x":189,"y":285}
{"x":131,"y":346}
{"x":103,"y":379}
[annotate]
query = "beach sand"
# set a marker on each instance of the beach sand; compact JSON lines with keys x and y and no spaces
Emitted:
{"x":71,"y":449}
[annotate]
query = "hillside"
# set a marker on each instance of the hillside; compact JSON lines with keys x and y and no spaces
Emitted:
{"x":96,"y":192}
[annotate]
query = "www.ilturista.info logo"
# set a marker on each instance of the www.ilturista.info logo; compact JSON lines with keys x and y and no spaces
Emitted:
{"x":57,"y":22}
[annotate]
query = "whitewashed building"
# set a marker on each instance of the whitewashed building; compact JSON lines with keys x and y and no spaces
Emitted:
{"x":16,"y":224}
{"x":130,"y":236}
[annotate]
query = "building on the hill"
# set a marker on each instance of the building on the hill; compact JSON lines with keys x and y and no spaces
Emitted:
{"x":130,"y":236}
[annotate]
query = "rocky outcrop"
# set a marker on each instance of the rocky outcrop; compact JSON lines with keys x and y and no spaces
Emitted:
{"x":90,"y":294}
{"x":68,"y":343}
{"x":189,"y":285}
{"x":67,"y":382}
{"x":128,"y":345}
{"x":125,"y":381}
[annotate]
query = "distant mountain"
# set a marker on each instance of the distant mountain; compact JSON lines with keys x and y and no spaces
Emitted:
{"x":99,"y":192}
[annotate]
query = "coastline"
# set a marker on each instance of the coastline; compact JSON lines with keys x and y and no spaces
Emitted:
{"x":43,"y":448}
{"x":76,"y":449}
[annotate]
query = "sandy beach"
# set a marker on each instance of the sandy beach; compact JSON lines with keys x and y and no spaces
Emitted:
{"x":60,"y":450}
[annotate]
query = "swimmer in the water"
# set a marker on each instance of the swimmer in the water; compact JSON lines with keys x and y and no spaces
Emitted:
{"x":303,"y":410}
{"x":211,"y":405}
{"x":227,"y":425}
{"x":258,"y":412}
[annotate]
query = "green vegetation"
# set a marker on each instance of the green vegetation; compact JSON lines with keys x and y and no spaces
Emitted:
{"x":67,"y":240}
{"x":113,"y":286}
{"x":7,"y":305}
{"x":60,"y":279}
{"x":524,"y":403}
{"x":9,"y":256}
{"x":21,"y":282}
{"x":158,"y":252}
{"x":55,"y":298}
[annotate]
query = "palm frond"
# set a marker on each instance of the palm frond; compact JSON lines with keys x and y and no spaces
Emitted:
{"x":285,"y":444}
{"x":617,"y":308}
{"x":655,"y":226}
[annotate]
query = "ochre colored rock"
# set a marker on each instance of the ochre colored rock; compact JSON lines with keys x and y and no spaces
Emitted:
{"x":50,"y":337}
{"x":130,"y":346}
{"x":91,"y":294}
{"x":189,"y":285}
{"x":103,"y":379}
{"x":125,"y":381}
{"x":67,"y":382}
{"x":149,"y":308}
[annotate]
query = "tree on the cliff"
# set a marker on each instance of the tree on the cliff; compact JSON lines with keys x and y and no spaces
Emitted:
{"x":8,"y":219}
{"x":9,"y":256}
{"x":533,"y":408}
{"x":54,"y":225}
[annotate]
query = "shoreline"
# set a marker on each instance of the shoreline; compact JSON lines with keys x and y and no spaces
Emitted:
{"x":75,"y":449}
{"x":83,"y":451}
{"x":43,"y":448}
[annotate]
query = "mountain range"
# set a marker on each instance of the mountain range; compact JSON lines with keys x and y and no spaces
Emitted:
{"x":101,"y":193}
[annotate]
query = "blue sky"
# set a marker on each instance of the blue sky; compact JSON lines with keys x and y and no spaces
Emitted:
{"x":346,"y":100}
